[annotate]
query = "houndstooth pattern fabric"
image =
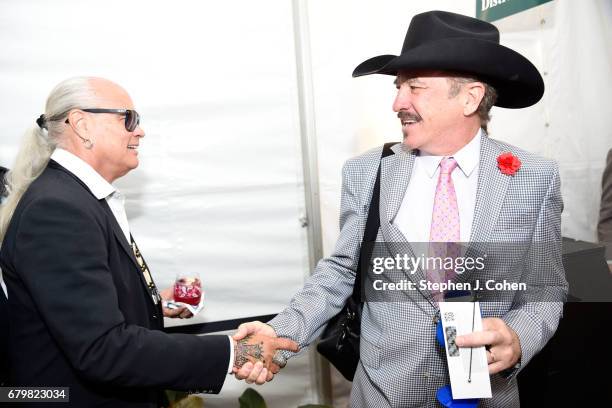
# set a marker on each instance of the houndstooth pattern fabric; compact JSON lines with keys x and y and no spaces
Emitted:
{"x":401,"y":364}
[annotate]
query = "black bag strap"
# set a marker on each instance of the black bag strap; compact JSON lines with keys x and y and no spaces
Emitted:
{"x":371,"y":228}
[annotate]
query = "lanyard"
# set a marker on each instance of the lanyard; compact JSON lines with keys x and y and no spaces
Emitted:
{"x":145,"y":272}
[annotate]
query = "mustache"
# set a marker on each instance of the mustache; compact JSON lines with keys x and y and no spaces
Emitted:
{"x":405,"y":115}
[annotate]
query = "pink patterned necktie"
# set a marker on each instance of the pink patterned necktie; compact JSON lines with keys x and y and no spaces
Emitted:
{"x":444,"y":224}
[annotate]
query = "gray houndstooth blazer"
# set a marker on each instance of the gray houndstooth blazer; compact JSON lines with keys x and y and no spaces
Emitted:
{"x":401,"y":365}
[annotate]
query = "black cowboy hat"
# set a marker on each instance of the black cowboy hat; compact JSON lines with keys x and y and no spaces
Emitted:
{"x":439,"y":40}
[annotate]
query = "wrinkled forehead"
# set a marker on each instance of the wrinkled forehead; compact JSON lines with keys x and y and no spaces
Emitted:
{"x":110,"y":95}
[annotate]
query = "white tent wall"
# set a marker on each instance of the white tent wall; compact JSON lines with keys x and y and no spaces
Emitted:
{"x":220,"y":186}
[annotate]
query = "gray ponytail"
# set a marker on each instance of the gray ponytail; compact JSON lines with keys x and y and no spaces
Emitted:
{"x":41,"y":140}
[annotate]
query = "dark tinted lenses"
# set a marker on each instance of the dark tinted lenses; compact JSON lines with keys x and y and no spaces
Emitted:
{"x":132,"y":120}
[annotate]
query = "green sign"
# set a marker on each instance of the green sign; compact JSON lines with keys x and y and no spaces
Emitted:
{"x":491,"y":10}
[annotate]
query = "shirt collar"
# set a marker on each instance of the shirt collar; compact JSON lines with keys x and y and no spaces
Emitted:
{"x":467,"y":158}
{"x":99,"y":187}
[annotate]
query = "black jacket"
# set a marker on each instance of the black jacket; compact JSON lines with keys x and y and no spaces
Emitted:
{"x":3,"y":309}
{"x":80,"y":315}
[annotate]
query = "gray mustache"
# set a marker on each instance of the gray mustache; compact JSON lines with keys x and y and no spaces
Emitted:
{"x":403,"y":115}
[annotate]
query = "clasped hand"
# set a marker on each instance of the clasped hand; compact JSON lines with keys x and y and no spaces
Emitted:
{"x":255,"y":346}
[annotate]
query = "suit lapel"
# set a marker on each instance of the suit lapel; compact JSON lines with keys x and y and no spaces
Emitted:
{"x":120,"y":236}
{"x":127,"y":248}
{"x":114,"y":224}
{"x":490,"y":194}
{"x":395,"y":174}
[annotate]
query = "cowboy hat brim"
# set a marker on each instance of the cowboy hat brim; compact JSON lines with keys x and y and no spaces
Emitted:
{"x":517,"y":81}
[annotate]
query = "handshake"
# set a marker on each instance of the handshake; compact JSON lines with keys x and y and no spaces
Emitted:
{"x":257,"y":352}
{"x":257,"y":349}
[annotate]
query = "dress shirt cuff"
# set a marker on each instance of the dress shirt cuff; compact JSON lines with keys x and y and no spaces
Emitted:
{"x":231,"y":360}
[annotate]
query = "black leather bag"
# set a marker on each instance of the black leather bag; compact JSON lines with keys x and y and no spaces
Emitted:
{"x":339,"y":342}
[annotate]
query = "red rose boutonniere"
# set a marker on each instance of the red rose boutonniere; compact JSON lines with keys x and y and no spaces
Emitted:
{"x":508,"y":163}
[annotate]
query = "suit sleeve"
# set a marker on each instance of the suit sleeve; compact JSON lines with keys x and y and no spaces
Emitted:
{"x":536,"y":319}
{"x":325,"y":292}
{"x":61,"y":254}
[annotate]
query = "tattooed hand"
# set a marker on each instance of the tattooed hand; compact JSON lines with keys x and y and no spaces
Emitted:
{"x":257,"y":351}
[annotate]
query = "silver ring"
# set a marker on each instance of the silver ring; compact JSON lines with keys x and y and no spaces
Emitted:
{"x":279,"y":359}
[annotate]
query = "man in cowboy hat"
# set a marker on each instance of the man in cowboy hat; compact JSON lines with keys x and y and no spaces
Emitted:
{"x":447,"y":182}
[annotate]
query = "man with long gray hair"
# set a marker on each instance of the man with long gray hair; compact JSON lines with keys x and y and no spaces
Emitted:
{"x":84,"y":311}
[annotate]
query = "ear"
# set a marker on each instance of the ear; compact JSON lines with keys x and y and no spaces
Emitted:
{"x":79,"y":122}
{"x":474,"y":92}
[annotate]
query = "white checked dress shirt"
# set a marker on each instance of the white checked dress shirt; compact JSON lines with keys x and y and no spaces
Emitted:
{"x":413,"y":218}
{"x":102,"y":189}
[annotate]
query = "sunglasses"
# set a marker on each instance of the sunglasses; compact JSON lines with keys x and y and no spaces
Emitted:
{"x":132,"y":118}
